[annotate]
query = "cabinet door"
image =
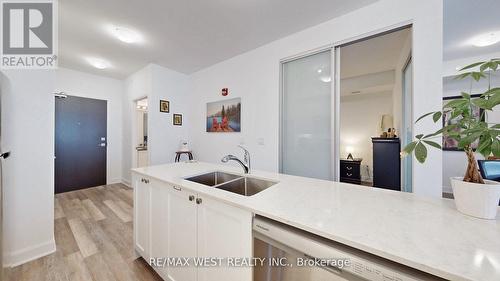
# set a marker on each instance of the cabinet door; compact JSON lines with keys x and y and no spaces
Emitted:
{"x":181,"y":234}
{"x":142,"y":215}
{"x":224,"y":231}
{"x":159,"y":224}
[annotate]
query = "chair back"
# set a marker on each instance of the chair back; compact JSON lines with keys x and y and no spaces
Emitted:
{"x":490,"y":169}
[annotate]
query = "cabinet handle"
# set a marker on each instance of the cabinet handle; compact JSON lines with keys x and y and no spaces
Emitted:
{"x":349,"y":168}
{"x":349,"y":175}
{"x":198,"y":201}
{"x":142,"y":180}
{"x":177,"y":188}
{"x":146,"y":181}
{"x":191,"y":197}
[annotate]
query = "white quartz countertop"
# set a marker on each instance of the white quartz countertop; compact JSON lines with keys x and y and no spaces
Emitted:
{"x":424,"y":233}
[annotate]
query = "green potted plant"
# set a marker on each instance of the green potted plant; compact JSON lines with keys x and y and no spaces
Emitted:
{"x":473,"y":195}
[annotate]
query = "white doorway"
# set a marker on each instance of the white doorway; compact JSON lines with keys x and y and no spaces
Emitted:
{"x":141,"y":134}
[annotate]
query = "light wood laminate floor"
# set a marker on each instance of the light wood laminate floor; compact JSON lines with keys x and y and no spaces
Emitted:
{"x":94,"y":240}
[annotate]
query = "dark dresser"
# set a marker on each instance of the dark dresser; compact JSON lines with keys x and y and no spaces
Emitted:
{"x":350,"y":170}
{"x":386,"y":163}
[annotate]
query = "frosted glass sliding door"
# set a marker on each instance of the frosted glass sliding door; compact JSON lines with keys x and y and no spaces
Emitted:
{"x":306,"y":117}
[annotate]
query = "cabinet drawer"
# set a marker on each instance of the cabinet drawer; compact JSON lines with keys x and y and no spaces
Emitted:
{"x":350,"y":171}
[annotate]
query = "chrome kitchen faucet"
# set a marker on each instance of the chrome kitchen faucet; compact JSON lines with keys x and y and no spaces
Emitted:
{"x":246,"y":159}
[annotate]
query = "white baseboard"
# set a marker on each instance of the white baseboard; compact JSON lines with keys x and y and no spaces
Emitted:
{"x":29,"y":253}
{"x":113,"y":181}
{"x":126,"y":182}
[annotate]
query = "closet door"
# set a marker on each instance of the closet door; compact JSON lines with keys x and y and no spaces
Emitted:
{"x":306,"y":117}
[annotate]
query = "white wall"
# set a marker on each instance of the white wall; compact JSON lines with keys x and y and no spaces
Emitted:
{"x":455,"y":162}
{"x":155,"y":82}
{"x":360,"y":117}
{"x":81,"y":84}
{"x":28,"y":175}
{"x":254,"y":76}
{"x":164,"y":138}
{"x":137,"y":86}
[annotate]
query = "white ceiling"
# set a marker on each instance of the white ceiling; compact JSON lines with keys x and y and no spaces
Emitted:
{"x":374,"y":55}
{"x":465,"y":19}
{"x":183,"y":35}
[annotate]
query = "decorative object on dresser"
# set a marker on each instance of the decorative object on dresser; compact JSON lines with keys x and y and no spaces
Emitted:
{"x":350,"y":170}
{"x":386,"y":163}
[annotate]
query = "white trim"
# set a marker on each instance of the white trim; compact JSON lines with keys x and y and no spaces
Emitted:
{"x":374,"y":33}
{"x":126,"y":182}
{"x":28,"y":254}
{"x":336,"y":112}
{"x":113,"y":181}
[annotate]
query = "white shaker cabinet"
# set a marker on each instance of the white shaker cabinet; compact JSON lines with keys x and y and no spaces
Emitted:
{"x":142,"y":215}
{"x":159,"y":224}
{"x":173,"y":222}
{"x":224,"y":231}
{"x":181,"y":231}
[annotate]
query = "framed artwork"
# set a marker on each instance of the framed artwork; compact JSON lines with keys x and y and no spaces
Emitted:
{"x":177,"y":119}
{"x":450,"y":144}
{"x":164,"y":106}
{"x":224,"y":116}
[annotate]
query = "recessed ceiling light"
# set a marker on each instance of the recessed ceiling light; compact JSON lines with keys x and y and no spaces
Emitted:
{"x":99,"y":63}
{"x":124,"y":34}
{"x":486,"y":39}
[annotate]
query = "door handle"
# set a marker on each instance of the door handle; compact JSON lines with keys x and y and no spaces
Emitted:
{"x":5,"y":155}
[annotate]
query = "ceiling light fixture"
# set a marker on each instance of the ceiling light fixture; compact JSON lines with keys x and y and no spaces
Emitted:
{"x":124,"y":34}
{"x":99,"y":63}
{"x":486,"y":39}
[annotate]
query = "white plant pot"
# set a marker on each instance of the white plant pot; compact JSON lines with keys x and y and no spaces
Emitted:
{"x":474,"y":199}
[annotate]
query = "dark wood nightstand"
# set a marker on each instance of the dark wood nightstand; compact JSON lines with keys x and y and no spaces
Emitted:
{"x":350,"y":170}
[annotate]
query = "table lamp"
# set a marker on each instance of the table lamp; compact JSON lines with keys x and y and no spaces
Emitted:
{"x":349,"y":150}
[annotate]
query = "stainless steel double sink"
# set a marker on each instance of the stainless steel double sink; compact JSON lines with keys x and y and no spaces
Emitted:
{"x":242,"y":185}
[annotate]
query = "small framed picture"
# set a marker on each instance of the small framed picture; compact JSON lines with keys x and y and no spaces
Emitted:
{"x":164,"y":106}
{"x":178,"y":119}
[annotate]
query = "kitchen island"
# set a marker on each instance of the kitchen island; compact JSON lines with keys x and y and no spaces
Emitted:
{"x":426,"y":234}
